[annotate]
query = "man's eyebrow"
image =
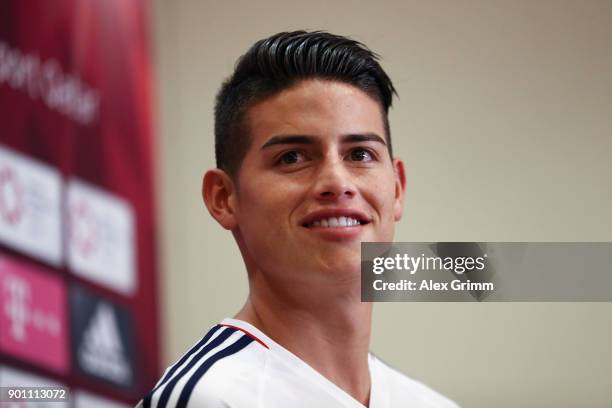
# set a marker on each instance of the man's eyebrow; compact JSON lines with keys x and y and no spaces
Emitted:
{"x":363,"y":137}
{"x":305,"y":139}
{"x":289,"y":139}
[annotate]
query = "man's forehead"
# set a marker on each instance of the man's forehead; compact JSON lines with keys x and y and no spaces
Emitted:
{"x":316,"y":108}
{"x":314,"y":93}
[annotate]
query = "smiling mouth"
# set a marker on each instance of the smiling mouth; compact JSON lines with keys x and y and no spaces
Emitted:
{"x":336,"y":222}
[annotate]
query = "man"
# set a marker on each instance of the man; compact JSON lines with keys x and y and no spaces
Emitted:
{"x":305,"y":173}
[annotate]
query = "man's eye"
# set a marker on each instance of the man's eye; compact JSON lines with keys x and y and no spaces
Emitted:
{"x":361,"y":155}
{"x":291,"y":157}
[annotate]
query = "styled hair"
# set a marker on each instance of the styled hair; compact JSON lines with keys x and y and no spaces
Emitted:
{"x":277,"y":63}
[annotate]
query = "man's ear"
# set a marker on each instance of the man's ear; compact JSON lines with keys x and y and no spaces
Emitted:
{"x":400,"y":188}
{"x":219,"y":194}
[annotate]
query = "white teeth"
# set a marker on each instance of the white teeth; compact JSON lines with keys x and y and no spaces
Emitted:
{"x":335,"y":222}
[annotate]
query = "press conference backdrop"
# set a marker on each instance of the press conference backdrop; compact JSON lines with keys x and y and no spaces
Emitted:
{"x":504,"y":121}
{"x":78,"y":251}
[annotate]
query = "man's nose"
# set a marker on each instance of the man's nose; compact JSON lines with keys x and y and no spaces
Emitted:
{"x":334,"y":181}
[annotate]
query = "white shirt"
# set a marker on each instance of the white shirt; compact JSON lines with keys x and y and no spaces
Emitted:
{"x":236,"y":365}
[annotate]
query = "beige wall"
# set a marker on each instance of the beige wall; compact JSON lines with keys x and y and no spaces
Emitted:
{"x":505,"y":123}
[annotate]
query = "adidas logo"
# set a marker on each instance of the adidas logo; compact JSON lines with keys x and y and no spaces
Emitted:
{"x":101,"y":351}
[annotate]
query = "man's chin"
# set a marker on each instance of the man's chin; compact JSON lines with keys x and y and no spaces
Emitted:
{"x":342,"y":259}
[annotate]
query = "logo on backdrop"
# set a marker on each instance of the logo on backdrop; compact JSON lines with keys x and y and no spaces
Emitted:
{"x":101,"y":245}
{"x":83,"y":229}
{"x":103,"y":340}
{"x":11,"y":196}
{"x":32,"y":315}
{"x":17,"y":306}
{"x":101,"y":350}
{"x":30,"y":216}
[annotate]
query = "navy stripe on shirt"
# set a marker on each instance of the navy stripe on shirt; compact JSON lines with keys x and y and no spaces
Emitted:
{"x":201,"y":370}
{"x":169,"y":387}
{"x":146,"y":401}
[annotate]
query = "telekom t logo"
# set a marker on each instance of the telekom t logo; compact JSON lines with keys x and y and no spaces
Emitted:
{"x":16,"y":307}
{"x":20,"y":312}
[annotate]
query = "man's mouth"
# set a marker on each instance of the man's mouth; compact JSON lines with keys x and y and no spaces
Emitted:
{"x":335,"y":222}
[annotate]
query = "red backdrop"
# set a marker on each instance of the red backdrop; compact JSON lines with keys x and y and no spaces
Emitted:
{"x":76,"y":95}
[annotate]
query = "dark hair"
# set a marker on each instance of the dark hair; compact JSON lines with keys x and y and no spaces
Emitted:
{"x":278,"y":62}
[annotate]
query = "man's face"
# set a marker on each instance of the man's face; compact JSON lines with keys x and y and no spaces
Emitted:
{"x":316,"y":182}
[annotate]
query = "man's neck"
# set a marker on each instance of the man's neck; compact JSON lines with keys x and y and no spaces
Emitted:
{"x":331,"y":333}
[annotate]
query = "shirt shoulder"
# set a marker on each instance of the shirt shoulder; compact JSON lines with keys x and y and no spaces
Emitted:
{"x":407,"y":391}
{"x":223,"y":366}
